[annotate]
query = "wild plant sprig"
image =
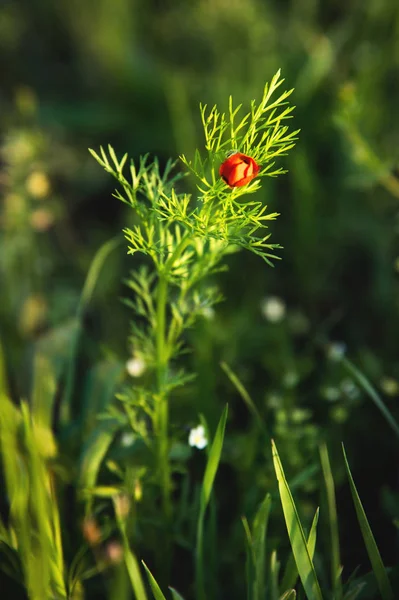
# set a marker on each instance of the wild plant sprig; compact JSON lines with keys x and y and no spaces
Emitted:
{"x":186,"y":239}
{"x":260,"y":133}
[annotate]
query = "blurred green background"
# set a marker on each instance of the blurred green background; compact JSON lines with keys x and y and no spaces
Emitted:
{"x":79,"y":74}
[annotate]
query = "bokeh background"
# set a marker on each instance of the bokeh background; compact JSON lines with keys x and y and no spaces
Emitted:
{"x":131,"y":73}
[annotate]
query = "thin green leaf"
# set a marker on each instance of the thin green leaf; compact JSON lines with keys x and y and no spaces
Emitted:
{"x":95,"y":450}
{"x":213,"y":461}
{"x":209,"y":477}
{"x":250,"y":559}
{"x":370,"y":391}
{"x":336,"y":568}
{"x":94,"y":271}
{"x":368,"y":537}
{"x":243,"y":393}
{"x":175,"y":594}
{"x":259,"y":546}
{"x":133,"y":570}
{"x":274,"y":569}
{"x":291,"y":572}
{"x":299,"y":545}
{"x":44,"y":388}
{"x":156,"y":590}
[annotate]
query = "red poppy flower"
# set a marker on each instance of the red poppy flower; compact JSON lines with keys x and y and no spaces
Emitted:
{"x":238,"y":170}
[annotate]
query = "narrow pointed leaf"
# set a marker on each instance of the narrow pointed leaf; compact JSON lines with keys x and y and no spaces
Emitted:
{"x":175,"y":594}
{"x":299,"y":545}
{"x":213,"y":460}
{"x":291,"y":572}
{"x":333,"y":524}
{"x":156,"y":590}
{"x":369,"y":540}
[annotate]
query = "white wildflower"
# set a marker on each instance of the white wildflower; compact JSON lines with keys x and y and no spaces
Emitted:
{"x":197,"y":437}
{"x":135,"y":366}
{"x":273,"y":309}
{"x":127,"y":439}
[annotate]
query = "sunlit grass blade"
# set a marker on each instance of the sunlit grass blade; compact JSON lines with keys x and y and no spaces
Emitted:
{"x":156,"y":590}
{"x":290,"y":576}
{"x":213,"y":461}
{"x":133,"y":570}
{"x":44,"y":387}
{"x":92,"y":457}
{"x":368,"y":537}
{"x":370,"y":391}
{"x":209,"y":478}
{"x":288,"y":595}
{"x":299,"y":545}
{"x":336,"y":568}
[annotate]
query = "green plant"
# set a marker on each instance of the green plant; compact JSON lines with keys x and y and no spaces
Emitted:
{"x":185,"y":240}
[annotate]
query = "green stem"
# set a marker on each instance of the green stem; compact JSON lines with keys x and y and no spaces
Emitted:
{"x":161,"y":412}
{"x":163,"y":353}
{"x":199,"y":567}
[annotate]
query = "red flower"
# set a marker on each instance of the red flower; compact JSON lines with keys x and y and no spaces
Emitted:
{"x":238,"y":170}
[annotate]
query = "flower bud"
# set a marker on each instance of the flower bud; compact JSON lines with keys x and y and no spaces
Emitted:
{"x":238,"y":170}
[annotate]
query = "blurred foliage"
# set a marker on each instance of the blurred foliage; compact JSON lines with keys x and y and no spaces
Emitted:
{"x":132,"y":73}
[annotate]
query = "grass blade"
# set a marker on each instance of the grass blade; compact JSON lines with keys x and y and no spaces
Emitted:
{"x":370,"y":391}
{"x":291,"y":572}
{"x":209,"y":478}
{"x":131,"y":562}
{"x":368,"y":537}
{"x":156,"y":590}
{"x":259,"y":546}
{"x":333,"y":523}
{"x":250,"y":559}
{"x":213,"y":461}
{"x":175,"y":594}
{"x":244,"y":394}
{"x":274,"y":569}
{"x":92,"y":457}
{"x":299,"y":545}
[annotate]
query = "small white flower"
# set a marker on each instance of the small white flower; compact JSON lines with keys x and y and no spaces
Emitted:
{"x":127,"y":439}
{"x":197,"y":438}
{"x":273,"y":309}
{"x":135,"y":367}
